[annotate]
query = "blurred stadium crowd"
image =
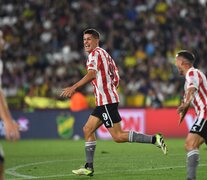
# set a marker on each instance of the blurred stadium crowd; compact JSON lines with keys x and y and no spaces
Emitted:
{"x":44,"y":50}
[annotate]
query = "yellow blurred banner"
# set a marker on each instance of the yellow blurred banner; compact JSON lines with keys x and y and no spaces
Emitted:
{"x":44,"y":103}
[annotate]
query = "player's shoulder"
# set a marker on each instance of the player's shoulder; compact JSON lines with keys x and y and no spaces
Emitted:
{"x":97,"y":51}
{"x":93,"y":52}
{"x":194,"y":73}
{"x":191,"y":72}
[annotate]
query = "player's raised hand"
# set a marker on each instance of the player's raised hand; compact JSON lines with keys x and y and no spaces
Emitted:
{"x":68,"y":92}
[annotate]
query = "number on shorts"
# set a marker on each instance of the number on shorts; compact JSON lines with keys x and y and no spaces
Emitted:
{"x":105,"y":116}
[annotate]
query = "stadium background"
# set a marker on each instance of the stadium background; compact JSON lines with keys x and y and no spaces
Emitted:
{"x":44,"y":53}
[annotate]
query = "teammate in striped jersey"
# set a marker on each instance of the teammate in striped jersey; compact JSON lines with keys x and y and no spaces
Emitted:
{"x":103,"y":74}
{"x":195,"y":93}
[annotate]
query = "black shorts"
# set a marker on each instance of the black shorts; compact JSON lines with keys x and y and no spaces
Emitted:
{"x":108,"y":114}
{"x":200,"y":127}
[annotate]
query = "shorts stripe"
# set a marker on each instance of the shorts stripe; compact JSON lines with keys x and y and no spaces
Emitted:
{"x":203,"y":123}
{"x":130,"y":136}
{"x":200,"y":128}
{"x":109,"y":116}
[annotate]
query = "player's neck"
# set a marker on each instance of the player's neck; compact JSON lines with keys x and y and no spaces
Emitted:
{"x":187,"y":69}
{"x":93,"y":49}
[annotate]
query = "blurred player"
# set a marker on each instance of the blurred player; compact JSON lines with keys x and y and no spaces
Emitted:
{"x":11,"y":128}
{"x":195,"y":93}
{"x":103,"y":74}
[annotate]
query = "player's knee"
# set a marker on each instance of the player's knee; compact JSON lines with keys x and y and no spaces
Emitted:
{"x":190,"y":146}
{"x":186,"y":146}
{"x":87,"y":130}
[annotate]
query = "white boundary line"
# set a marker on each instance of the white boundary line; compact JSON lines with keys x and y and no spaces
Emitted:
{"x":12,"y":171}
{"x":18,"y":176}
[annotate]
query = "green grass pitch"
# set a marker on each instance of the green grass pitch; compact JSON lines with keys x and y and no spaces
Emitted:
{"x":54,"y":160}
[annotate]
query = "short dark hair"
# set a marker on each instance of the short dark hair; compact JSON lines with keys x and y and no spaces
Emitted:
{"x":186,"y":55}
{"x":94,"y":32}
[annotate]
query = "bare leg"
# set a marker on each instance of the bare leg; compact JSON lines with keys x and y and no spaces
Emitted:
{"x":90,"y":127}
{"x":90,"y":145}
{"x":121,"y":136}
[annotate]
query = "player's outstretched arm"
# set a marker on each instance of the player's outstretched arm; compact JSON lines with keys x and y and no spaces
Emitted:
{"x":11,"y":127}
{"x":69,"y":91}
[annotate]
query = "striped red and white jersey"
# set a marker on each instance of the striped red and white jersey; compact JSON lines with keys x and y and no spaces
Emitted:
{"x":195,"y":78}
{"x":107,"y":77}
